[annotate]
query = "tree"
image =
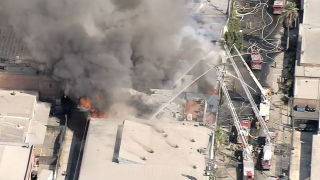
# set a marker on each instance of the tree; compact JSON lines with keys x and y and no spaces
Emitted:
{"x":290,"y":12}
{"x":234,"y":24}
{"x":233,"y":35}
{"x":219,"y":137}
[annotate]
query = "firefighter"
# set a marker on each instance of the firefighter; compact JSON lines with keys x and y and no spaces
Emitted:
{"x":249,"y":25}
{"x":257,"y":125}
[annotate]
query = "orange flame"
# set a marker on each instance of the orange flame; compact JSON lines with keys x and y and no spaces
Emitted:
{"x":94,"y":113}
{"x":85,"y":103}
{"x":216,"y":90}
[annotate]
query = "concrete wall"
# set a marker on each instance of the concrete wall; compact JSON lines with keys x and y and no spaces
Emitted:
{"x":30,"y":165}
{"x":46,"y":86}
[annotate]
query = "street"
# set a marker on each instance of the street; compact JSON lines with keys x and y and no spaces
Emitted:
{"x":267,"y":36}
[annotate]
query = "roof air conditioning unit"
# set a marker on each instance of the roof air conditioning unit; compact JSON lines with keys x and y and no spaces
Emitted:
{"x":189,"y":117}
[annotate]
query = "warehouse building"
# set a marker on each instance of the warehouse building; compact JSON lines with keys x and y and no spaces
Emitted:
{"x":127,"y":150}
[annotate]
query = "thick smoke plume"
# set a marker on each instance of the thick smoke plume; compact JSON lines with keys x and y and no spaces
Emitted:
{"x":99,"y":46}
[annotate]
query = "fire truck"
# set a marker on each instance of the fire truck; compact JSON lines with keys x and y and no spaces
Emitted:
{"x":256,"y":61}
{"x":247,"y":160}
{"x":278,"y":6}
{"x":245,"y":124}
{"x":268,"y":148}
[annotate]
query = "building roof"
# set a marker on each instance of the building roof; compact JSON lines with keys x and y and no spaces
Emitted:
{"x":192,"y":107}
{"x":212,"y":99}
{"x":22,"y":104}
{"x":45,"y":174}
{"x":303,"y":87}
{"x":309,"y":49}
{"x":315,"y":166}
{"x":23,"y":119}
{"x":13,"y":130}
{"x":162,"y":97}
{"x":12,"y":46}
{"x":14,"y":161}
{"x":307,"y":71}
{"x":103,"y":148}
{"x":306,"y":115}
{"x":311,"y":15}
{"x":37,"y":128}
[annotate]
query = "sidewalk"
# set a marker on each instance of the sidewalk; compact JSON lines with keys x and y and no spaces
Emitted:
{"x":279,"y":121}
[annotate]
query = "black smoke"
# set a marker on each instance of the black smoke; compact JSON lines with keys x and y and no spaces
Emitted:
{"x":102,"y":45}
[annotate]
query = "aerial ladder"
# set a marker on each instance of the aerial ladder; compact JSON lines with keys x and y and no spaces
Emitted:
{"x":248,"y":163}
{"x":268,"y":148}
{"x":265,"y":92}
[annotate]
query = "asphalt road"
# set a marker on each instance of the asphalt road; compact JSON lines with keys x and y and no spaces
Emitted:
{"x":256,"y":37}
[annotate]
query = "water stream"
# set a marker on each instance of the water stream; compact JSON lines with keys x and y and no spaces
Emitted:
{"x":163,"y":106}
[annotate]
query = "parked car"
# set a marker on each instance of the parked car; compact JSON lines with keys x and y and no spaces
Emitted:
{"x":300,"y":108}
{"x":308,"y":127}
{"x":310,"y":108}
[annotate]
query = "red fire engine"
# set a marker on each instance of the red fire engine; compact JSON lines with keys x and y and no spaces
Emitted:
{"x":278,"y":6}
{"x":256,"y":61}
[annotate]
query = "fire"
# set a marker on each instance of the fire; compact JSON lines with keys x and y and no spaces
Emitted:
{"x":216,"y":90}
{"x":94,"y":113}
{"x":97,"y":114}
{"x":85,"y":103}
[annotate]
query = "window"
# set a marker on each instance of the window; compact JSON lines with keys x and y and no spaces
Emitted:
{"x":50,"y":85}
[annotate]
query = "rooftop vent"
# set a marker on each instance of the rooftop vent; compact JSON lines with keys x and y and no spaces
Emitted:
{"x":151,"y":151}
{"x":144,"y":158}
{"x":18,"y":126}
{"x":163,"y":131}
{"x":192,"y":140}
{"x":177,"y":146}
{"x":195,"y":167}
{"x":13,"y":93}
{"x":165,"y":135}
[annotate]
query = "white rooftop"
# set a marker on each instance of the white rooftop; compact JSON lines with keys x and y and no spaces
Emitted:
{"x":22,"y":119}
{"x":311,"y":13}
{"x":307,"y":71}
{"x":137,"y":140}
{"x":37,"y":128}
{"x":309,"y":46}
{"x":45,"y":175}
{"x":306,"y":88}
{"x":315,"y":166}
{"x":13,"y":162}
{"x":22,"y":104}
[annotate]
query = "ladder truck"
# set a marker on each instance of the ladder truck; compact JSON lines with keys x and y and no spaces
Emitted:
{"x":265,"y":93}
{"x":247,"y":160}
{"x":268,"y":148}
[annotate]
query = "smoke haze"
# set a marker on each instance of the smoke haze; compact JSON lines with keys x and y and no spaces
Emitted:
{"x":102,"y":45}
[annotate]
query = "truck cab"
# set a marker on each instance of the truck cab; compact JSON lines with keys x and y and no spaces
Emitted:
{"x":278,"y":7}
{"x":256,"y":61}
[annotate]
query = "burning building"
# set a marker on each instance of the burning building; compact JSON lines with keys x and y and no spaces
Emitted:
{"x":77,"y":45}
